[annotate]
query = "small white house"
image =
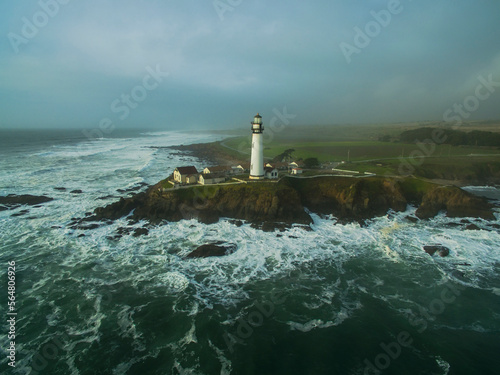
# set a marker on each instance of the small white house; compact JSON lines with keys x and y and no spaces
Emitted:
{"x":296,"y":164}
{"x":186,"y":175}
{"x":245,"y":167}
{"x":218,"y":169}
{"x":297,"y":171}
{"x":211,"y":178}
{"x":238,"y":169}
{"x":271,"y":173}
{"x":278,"y":165}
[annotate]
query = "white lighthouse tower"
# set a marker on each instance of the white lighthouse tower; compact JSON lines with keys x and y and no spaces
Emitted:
{"x":257,"y":160}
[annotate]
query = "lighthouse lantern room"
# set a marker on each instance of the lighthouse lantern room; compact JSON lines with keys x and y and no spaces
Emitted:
{"x":257,"y":158}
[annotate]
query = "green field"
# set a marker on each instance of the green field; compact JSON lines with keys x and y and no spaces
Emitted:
{"x":353,"y":150}
{"x":359,"y":147}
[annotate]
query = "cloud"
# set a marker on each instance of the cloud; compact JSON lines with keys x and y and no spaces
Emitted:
{"x":262,"y":55}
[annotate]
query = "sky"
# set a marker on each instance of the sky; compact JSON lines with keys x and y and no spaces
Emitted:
{"x":213,"y":64}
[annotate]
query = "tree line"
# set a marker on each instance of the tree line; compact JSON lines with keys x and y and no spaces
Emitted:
{"x":453,"y":137}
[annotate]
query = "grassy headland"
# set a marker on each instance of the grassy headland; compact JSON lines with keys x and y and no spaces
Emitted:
{"x":374,"y":148}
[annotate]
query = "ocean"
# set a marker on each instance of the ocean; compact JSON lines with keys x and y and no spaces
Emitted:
{"x":340,"y":299}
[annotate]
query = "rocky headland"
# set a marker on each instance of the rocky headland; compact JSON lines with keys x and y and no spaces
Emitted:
{"x":271,"y":204}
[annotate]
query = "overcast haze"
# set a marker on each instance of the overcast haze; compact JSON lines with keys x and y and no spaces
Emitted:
{"x":226,"y":65}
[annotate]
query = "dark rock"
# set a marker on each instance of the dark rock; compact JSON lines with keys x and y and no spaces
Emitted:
{"x":472,"y":227}
{"x":60,"y":188}
{"x":81,"y":235}
{"x":30,"y":200}
{"x":20,"y":213}
{"x":496,"y":226}
{"x":77,"y":191}
{"x":133,"y":188}
{"x":88,"y":226}
{"x":123,"y":230}
{"x":3,"y":208}
{"x":269,"y":226}
{"x":141,"y":232}
{"x":216,"y":249}
{"x":432,"y":249}
{"x":444,"y":252}
{"x":279,"y":235}
{"x":238,"y":223}
{"x":107,"y":197}
{"x":293,"y":237}
{"x":456,"y":202}
{"x":412,"y":219}
{"x":307,"y":228}
{"x":453,"y":225}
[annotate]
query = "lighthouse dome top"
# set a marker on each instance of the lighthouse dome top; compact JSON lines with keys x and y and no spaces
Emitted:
{"x":257,"y":126}
{"x":257,"y":119}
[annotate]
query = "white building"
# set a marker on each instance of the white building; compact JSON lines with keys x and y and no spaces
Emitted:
{"x":257,"y":159}
{"x":271,"y":173}
{"x":211,"y":178}
{"x":186,"y":175}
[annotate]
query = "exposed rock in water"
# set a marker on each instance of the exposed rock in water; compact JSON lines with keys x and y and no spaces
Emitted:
{"x":60,"y":188}
{"x":216,"y":249}
{"x":456,"y":202}
{"x":78,"y":191}
{"x":87,"y":227}
{"x":238,"y":223}
{"x":443,"y":251}
{"x":472,"y":227}
{"x":13,"y":201}
{"x":141,"y":232}
{"x":412,"y":219}
{"x":20,"y":213}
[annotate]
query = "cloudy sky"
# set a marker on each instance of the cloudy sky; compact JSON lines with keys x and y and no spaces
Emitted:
{"x":213,"y":64}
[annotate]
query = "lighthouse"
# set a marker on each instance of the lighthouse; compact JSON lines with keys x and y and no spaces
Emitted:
{"x":257,"y":160}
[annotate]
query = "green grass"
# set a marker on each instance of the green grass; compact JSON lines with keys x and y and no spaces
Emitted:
{"x":349,"y":150}
{"x":360,"y":148}
{"x":165,"y":184}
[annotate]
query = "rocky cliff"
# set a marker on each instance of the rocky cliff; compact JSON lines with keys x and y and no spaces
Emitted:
{"x":351,"y":199}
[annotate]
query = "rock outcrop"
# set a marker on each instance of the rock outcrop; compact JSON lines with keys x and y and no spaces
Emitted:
{"x":455,"y":201}
{"x":349,"y":199}
{"x":13,"y":201}
{"x":217,"y":249}
{"x":443,"y":251}
{"x":257,"y":202}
